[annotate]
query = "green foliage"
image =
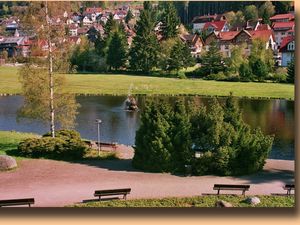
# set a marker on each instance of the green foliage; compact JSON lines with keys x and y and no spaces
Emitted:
{"x":180,"y":57}
{"x":291,"y":72}
{"x":129,"y":16}
{"x":237,"y":58}
{"x":251,"y":13}
{"x":259,"y":69}
{"x":169,"y":135}
{"x":245,"y":72}
{"x":67,"y":145}
{"x":36,"y":91}
{"x":212,"y":61}
{"x":152,"y":141}
{"x":266,"y":10}
{"x":144,"y":50}
{"x":110,"y":25}
{"x":170,"y":21}
{"x":117,"y":51}
{"x":181,"y":151}
{"x":86,"y":58}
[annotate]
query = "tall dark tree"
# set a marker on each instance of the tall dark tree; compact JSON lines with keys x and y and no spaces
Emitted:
{"x":110,"y":25}
{"x":181,"y":152}
{"x":170,"y":21}
{"x":145,"y":47}
{"x":291,"y":72}
{"x":117,"y":51}
{"x":129,"y":16}
{"x":152,"y":139}
{"x":180,"y":57}
{"x":212,"y":60}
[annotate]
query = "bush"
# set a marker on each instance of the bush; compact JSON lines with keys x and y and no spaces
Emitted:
{"x":181,"y":75}
{"x":168,"y":136}
{"x":65,"y":134}
{"x":279,"y":77}
{"x":245,"y":72}
{"x":66,"y":145}
{"x":219,"y":76}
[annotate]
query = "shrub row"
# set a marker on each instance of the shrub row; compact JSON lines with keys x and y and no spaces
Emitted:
{"x":66,"y":145}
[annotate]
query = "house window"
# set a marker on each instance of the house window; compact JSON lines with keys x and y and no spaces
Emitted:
{"x":282,"y":33}
{"x":226,"y":47}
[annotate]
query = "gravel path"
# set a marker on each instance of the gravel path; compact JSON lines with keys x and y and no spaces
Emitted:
{"x":57,"y":183}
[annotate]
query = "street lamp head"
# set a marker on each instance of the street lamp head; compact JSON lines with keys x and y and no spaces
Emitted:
{"x":98,"y":121}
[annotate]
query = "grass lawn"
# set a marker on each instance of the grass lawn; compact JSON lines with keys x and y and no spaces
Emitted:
{"x":114,"y":84}
{"x":9,"y":141}
{"x":200,"y":201}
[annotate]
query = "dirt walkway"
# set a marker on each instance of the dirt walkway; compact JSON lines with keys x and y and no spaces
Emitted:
{"x":58,"y":183}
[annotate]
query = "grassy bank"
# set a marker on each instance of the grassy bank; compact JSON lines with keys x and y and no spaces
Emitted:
{"x":200,"y":201}
{"x":9,"y":141}
{"x":112,"y":84}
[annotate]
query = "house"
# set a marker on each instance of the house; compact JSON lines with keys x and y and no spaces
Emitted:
{"x":39,"y":48}
{"x":287,"y":50}
{"x":75,"y":40}
{"x":199,"y":21}
{"x":282,"y":18}
{"x":82,"y":31}
{"x":282,"y":30}
{"x":219,"y":26}
{"x":226,"y":40}
{"x":73,"y":29}
{"x":250,"y":25}
{"x":15,"y":46}
{"x":86,"y":21}
{"x":194,"y":42}
{"x":94,"y":10}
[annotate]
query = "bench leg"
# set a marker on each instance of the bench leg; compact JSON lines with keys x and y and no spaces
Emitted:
{"x":218,"y":192}
{"x":99,"y":198}
{"x":124,"y":197}
{"x":243,"y":193}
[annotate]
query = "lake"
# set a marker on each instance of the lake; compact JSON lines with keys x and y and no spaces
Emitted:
{"x":273,"y":116}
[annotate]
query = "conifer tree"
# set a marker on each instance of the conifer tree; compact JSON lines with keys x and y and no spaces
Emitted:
{"x":181,"y":153}
{"x":145,"y":47}
{"x":152,"y":141}
{"x":129,"y":16}
{"x":291,"y":72}
{"x":180,"y":57}
{"x":170,"y":21}
{"x":117,"y":51}
{"x":212,"y":60}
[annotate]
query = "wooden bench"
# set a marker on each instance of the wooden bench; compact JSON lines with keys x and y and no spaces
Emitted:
{"x":124,"y":192}
{"x":233,"y":187}
{"x":12,"y":202}
{"x":289,"y":188}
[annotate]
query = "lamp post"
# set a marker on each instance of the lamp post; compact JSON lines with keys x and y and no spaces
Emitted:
{"x":98,"y":121}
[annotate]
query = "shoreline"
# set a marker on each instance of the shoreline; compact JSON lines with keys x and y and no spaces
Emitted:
{"x":165,"y":95}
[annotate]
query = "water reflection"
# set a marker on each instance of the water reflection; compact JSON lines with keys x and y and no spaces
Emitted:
{"x":273,"y":116}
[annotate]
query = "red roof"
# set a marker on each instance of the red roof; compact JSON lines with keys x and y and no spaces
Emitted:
{"x":285,"y":41}
{"x":261,"y":34}
{"x":227,"y":36}
{"x":283,"y":25}
{"x":93,"y":10}
{"x":288,"y":16}
{"x":218,"y":25}
{"x":263,"y":27}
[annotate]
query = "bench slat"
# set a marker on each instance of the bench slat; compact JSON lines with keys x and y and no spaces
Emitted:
{"x":123,"y":191}
{"x":233,"y":187}
{"x":9,"y":202}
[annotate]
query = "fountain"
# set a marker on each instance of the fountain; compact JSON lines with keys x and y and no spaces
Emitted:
{"x":130,"y":102}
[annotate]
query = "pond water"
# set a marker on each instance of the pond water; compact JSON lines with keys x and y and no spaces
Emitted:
{"x":273,"y":116}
